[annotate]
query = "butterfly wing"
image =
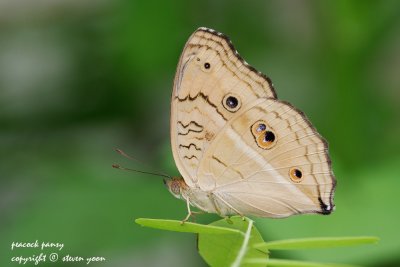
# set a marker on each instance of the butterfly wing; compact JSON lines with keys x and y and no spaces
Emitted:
{"x":269,"y":161}
{"x":230,"y":136}
{"x":212,"y":82}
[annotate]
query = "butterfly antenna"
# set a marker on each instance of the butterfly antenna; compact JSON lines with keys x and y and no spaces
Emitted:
{"x":121,"y":152}
{"x":117,"y":166}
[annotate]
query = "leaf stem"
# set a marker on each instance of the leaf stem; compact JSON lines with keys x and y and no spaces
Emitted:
{"x":243,"y":249}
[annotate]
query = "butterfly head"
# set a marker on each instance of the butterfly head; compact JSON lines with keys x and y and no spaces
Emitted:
{"x":176,"y":186}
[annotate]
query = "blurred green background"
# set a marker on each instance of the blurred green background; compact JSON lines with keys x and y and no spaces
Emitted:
{"x":80,"y":78}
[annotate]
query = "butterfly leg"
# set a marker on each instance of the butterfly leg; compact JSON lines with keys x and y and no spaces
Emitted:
{"x":218,"y":211}
{"x":190,"y":213}
{"x":228,"y":219}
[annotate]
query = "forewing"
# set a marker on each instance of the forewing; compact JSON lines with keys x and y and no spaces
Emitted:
{"x":209,"y":71}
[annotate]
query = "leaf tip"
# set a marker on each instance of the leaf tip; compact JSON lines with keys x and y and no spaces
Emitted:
{"x":139,"y":221}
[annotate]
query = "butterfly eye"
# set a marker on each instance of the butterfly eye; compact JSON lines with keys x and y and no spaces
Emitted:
{"x":261,"y":127}
{"x":258,"y":128}
{"x":266,"y":139}
{"x":175,"y":188}
{"x":295,"y":174}
{"x":231,"y":103}
{"x":263,"y":134}
{"x":206,"y":67}
{"x":269,"y":137}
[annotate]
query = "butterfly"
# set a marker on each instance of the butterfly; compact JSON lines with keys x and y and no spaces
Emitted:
{"x":239,"y":149}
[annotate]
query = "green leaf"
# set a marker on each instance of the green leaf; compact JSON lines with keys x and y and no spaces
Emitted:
{"x":188,"y":227}
{"x":237,"y":242}
{"x":233,"y":249}
{"x":320,"y":242}
{"x":290,"y":263}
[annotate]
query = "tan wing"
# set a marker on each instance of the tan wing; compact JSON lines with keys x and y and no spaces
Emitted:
{"x":269,"y":161}
{"x":212,"y":84}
